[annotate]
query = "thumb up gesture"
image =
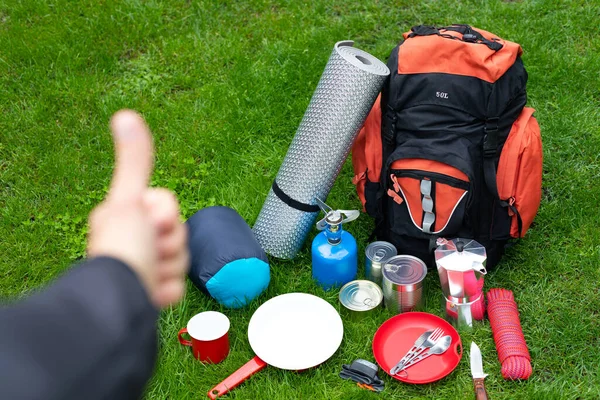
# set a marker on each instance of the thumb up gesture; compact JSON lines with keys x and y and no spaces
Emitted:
{"x":138,"y":225}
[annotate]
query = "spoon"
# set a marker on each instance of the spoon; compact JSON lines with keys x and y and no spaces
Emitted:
{"x":438,"y":348}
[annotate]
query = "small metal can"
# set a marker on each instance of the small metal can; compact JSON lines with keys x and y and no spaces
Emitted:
{"x":360,"y":297}
{"x":403,"y":283}
{"x":377,"y":254}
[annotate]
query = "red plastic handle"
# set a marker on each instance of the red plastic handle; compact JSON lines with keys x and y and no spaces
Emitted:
{"x":183,"y":341}
{"x":238,"y":377}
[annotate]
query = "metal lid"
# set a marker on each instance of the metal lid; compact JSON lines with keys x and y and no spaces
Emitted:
{"x":380,"y":252}
{"x":360,"y":295}
{"x":460,"y":255}
{"x":404,"y":270}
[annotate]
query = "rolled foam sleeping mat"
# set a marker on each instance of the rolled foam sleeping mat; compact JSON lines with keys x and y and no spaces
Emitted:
{"x":337,"y":110}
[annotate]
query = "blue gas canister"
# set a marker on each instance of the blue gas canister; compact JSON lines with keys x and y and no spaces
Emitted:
{"x":334,"y":251}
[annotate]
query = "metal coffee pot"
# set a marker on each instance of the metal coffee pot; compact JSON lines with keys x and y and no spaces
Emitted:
{"x":461,"y":267}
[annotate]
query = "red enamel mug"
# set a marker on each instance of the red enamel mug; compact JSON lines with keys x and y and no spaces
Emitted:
{"x":209,"y":336}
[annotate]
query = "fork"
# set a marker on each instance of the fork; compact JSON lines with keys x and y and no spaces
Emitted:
{"x":419,"y":346}
{"x":429,"y":343}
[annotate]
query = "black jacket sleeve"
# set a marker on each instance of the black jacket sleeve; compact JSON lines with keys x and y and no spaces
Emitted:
{"x":90,"y":335}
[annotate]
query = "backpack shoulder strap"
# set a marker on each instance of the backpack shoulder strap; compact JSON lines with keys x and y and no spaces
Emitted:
{"x":490,"y":152}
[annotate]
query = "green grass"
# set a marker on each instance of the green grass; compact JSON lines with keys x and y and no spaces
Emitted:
{"x":224,"y":86}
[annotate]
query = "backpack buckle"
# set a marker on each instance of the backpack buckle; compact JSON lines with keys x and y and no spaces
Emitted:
{"x":491,"y":124}
{"x":469,"y":37}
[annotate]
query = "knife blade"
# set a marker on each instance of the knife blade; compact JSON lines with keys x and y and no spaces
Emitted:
{"x":476,"y":362}
{"x":477,"y":372}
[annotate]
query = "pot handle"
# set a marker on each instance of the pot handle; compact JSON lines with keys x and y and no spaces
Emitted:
{"x":238,"y":377}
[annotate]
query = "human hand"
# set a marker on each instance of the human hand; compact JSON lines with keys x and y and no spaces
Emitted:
{"x":138,"y":225}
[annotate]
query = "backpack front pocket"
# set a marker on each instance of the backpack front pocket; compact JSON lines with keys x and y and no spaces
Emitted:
{"x":427,"y":197}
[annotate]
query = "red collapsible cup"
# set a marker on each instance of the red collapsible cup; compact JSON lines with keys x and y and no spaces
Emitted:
{"x":209,"y":333}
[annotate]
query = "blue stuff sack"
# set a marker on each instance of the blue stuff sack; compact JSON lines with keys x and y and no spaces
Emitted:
{"x":227,"y":263}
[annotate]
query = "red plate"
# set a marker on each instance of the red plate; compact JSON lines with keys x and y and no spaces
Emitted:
{"x":398,"y":334}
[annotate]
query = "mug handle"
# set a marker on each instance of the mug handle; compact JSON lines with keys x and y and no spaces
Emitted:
{"x":183,"y":341}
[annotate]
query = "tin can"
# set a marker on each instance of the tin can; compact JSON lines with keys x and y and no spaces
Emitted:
{"x":377,"y":253}
{"x":403,"y":283}
{"x":360,"y":296}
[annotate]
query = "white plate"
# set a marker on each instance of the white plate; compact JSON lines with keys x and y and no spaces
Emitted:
{"x":295,"y":331}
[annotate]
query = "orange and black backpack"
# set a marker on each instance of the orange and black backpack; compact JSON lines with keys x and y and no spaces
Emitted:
{"x":449,"y":148}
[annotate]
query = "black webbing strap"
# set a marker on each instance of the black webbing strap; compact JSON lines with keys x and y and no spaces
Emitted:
{"x":293,"y":203}
{"x":519,"y":220}
{"x":388,"y":132}
{"x":469,"y":34}
{"x":490,"y":148}
{"x":460,"y":28}
{"x":473,"y":35}
{"x":423,"y":30}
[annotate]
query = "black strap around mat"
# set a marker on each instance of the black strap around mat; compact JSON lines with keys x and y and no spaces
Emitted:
{"x":293,"y":203}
